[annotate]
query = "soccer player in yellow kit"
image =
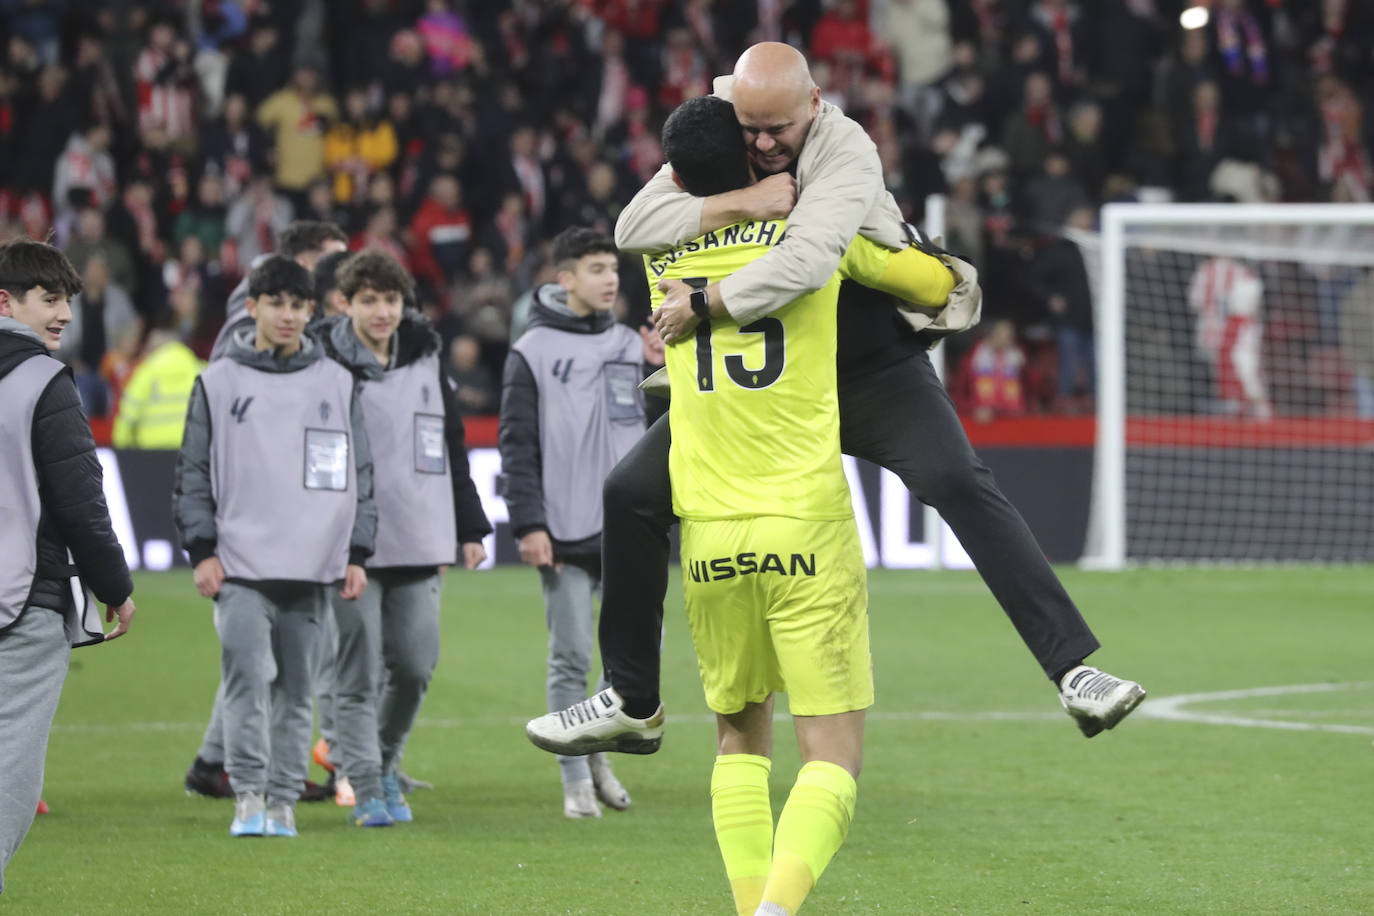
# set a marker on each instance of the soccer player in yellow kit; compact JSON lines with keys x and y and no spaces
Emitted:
{"x":773,"y":571}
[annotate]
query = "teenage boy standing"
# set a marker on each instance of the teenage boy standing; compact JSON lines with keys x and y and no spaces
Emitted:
{"x":570,"y":410}
{"x":273,"y":502}
{"x":427,"y":506}
{"x":54,"y":518}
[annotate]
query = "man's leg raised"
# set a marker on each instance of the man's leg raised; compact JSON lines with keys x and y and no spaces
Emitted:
{"x":627,"y":716}
{"x":901,"y":418}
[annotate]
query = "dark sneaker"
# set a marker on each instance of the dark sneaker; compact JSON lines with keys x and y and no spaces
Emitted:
{"x":314,"y":792}
{"x":208,"y":779}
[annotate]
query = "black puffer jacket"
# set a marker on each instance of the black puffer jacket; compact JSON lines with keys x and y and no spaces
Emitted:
{"x":74,"y":515}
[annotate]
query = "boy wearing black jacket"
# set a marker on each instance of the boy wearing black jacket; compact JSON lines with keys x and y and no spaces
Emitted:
{"x":54,"y":525}
{"x":428,"y":516}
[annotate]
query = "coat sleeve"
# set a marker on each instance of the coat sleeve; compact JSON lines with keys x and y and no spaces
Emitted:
{"x":471,"y":521}
{"x":660,"y":216}
{"x":843,"y":183}
{"x":72,"y":493}
{"x":364,"y":538}
{"x":193,"y":499}
{"x":518,"y":440}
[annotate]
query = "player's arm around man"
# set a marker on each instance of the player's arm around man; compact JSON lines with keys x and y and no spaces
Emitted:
{"x":50,"y":486}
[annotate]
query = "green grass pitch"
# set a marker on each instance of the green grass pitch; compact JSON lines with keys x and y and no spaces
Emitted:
{"x":978,"y":794}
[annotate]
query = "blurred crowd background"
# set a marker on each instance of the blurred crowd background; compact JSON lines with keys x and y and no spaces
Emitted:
{"x":163,"y":145}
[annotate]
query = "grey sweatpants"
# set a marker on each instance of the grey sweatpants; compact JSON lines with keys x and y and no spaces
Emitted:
{"x":388,"y":645}
{"x":267,"y":634}
{"x":568,"y":612}
{"x":34,"y":653}
{"x":212,"y":745}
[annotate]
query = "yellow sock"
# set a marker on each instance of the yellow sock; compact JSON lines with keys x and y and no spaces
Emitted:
{"x":811,"y":829}
{"x":743,"y":819}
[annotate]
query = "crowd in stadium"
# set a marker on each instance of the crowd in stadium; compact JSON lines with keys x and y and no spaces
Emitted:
{"x":164,"y":145}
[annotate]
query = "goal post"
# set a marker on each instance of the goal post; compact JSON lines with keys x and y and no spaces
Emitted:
{"x":1235,"y":385}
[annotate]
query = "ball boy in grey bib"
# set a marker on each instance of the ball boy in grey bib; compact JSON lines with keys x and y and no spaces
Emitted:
{"x":428,"y":513}
{"x":273,"y":502}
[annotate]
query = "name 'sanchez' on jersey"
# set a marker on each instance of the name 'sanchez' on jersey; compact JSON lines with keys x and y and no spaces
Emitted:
{"x":746,"y":564}
{"x":760,"y":232}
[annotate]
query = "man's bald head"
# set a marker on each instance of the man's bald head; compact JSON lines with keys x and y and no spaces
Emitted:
{"x":775,"y":101}
{"x":773,"y":66}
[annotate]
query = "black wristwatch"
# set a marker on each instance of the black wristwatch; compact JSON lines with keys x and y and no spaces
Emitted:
{"x":701,"y":302}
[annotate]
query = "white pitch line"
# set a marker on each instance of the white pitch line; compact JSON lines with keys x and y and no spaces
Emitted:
{"x":1171,"y":708}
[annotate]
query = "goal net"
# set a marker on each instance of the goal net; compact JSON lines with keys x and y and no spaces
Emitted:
{"x":1236,"y":385}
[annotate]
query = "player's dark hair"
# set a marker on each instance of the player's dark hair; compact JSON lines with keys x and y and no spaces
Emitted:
{"x":326,"y":275}
{"x":374,"y":270}
{"x":703,"y":143}
{"x":25,"y":264}
{"x":278,"y":276}
{"x":576,"y":242}
{"x":308,"y":235}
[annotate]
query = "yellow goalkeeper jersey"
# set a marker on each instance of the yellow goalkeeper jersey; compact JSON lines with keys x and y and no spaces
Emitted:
{"x":754,"y":408}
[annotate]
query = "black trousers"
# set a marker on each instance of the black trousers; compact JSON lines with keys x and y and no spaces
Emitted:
{"x":898,"y":417}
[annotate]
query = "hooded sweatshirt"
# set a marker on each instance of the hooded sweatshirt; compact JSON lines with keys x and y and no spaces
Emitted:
{"x":570,"y":410}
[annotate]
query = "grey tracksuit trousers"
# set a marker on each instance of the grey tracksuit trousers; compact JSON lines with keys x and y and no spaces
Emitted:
{"x":388,"y":645}
{"x":568,"y":612}
{"x":267,"y":634}
{"x":34,"y":653}
{"x":212,"y":745}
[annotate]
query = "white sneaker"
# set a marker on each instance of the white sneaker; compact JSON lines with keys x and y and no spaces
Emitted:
{"x":1096,"y":700}
{"x":579,"y":800}
{"x":608,"y":788}
{"x":596,"y":724}
{"x":249,"y":818}
{"x":281,"y":819}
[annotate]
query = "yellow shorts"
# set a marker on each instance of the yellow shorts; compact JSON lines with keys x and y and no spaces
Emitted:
{"x":779,"y":604}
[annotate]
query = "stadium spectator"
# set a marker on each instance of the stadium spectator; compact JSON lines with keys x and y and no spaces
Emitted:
{"x":85,"y":172}
{"x":570,"y":410}
{"x":991,"y":375}
{"x":152,"y":408}
{"x":234,"y":146}
{"x":259,"y":70}
{"x":57,"y":519}
{"x":1059,"y":281}
{"x":1050,"y":197}
{"x":256,"y":219}
{"x":1028,"y":135}
{"x":102,"y":313}
{"x":165,"y":82}
{"x":295,"y":117}
{"x":357,"y":147}
{"x":441,"y":233}
{"x":1228,"y":297}
{"x":207,"y":215}
{"x":475,"y":392}
{"x":446,"y":38}
{"x":92,"y":240}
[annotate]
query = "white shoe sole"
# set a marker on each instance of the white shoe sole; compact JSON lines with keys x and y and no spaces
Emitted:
{"x":627,"y":742}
